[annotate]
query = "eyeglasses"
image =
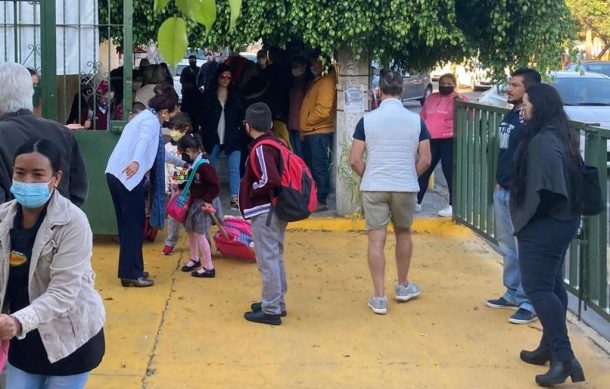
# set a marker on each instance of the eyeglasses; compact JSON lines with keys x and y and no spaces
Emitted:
{"x":226,"y":77}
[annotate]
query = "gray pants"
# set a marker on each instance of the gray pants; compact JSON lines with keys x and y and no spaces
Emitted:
{"x":269,"y":244}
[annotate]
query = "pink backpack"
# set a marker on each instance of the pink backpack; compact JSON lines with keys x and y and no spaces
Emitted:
{"x":234,"y":239}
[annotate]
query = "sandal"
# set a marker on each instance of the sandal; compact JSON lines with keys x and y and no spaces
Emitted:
{"x":190,"y":265}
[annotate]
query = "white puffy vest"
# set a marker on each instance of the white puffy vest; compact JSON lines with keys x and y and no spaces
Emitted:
{"x":392,"y":137}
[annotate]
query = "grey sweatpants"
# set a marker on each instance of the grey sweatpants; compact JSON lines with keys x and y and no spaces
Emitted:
{"x":269,"y":245}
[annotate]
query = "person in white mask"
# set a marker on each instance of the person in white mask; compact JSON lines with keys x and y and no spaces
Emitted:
{"x":301,"y":81}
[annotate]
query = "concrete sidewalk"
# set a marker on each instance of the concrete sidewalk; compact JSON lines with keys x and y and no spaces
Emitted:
{"x":190,"y":333}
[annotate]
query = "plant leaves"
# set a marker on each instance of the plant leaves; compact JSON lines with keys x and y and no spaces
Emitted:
{"x":186,"y":7}
{"x":235,"y":11}
{"x":206,"y":13}
{"x":160,"y":5}
{"x":172,"y":40}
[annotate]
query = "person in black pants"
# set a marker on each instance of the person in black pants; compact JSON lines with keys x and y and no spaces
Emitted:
{"x":545,"y":214}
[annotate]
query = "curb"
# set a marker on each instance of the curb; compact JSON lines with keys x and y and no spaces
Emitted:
{"x":435,"y":225}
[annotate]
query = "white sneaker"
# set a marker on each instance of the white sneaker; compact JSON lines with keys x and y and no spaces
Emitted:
{"x":379,"y":305}
{"x":406,"y":292}
{"x":417,"y":208}
{"x":446,"y":212}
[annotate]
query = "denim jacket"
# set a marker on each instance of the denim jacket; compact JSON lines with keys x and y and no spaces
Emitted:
{"x":64,"y":305}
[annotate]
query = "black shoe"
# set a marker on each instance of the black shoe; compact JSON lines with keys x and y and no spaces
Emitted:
{"x":559,"y":371}
{"x":141,"y":282}
{"x":187,"y":268}
{"x":207,"y":273}
{"x":539,"y":356}
{"x":262,"y":317}
{"x":259,"y":307}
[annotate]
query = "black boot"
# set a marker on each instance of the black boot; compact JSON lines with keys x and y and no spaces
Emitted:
{"x":559,"y":371}
{"x":539,"y":356}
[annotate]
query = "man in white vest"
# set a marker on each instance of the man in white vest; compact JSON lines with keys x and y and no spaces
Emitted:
{"x":397,"y":148}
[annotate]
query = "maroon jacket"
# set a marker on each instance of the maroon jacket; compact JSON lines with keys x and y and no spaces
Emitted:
{"x":205,"y":185}
{"x":255,"y":190}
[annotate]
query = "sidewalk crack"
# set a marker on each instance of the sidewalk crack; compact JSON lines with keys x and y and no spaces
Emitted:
{"x":150,"y":369}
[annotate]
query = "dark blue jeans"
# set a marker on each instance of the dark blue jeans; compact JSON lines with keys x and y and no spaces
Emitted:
{"x":542,"y":248}
{"x":296,"y":142}
{"x":129,"y":207}
{"x":441,"y":150}
{"x":316,"y":152}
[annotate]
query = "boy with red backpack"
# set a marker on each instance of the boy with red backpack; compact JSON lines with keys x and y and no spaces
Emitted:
{"x":261,"y":193}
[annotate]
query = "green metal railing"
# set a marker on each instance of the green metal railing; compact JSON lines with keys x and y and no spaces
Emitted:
{"x":476,"y":150}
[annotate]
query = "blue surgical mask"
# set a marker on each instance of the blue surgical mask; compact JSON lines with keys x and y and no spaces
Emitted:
{"x":31,"y":194}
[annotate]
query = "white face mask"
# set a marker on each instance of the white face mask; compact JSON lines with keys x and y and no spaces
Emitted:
{"x":314,"y":71}
{"x":298,"y":72}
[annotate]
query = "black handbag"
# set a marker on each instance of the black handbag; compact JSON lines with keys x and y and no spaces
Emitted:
{"x":591,"y":202}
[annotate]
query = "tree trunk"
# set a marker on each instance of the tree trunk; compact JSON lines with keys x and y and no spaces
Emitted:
{"x":353,"y":77}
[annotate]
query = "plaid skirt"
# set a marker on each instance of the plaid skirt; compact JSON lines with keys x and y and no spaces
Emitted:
{"x":199,"y":221}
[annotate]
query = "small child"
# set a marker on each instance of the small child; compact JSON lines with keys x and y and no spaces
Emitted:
{"x":204,"y":189}
{"x":180,"y":125}
{"x":136,"y":108}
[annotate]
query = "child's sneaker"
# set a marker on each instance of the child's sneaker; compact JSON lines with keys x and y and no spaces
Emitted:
{"x":379,"y":305}
{"x":406,"y":292}
{"x":167,"y":250}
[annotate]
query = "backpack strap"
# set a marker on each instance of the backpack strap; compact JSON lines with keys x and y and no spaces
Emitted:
{"x":275,"y":143}
{"x":187,"y":187}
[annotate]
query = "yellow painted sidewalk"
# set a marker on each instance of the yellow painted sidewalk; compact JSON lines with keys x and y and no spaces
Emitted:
{"x":190,"y":333}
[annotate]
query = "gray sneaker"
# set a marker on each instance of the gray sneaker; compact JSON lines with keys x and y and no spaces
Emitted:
{"x":406,"y":292}
{"x":379,"y":305}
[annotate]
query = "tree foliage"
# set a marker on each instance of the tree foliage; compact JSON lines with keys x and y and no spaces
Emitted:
{"x":593,"y":15}
{"x":410,"y":33}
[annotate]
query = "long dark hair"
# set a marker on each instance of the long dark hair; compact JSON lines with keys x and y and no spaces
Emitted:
{"x":44,"y":147}
{"x":547,"y":112}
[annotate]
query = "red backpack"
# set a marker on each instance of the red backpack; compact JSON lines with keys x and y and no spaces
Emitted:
{"x":295,"y":199}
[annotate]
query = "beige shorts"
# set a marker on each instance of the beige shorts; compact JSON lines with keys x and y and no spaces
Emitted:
{"x":381,"y":207}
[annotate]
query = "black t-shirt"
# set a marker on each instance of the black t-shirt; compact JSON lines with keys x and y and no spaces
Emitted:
{"x":359,"y":134}
{"x":29,"y":354}
{"x":510,"y":133}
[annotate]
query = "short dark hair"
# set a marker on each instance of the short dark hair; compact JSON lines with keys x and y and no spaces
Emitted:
{"x":137,"y":107}
{"x":530,"y":76}
{"x":44,"y":147}
{"x":258,"y":115}
{"x":390,"y":83}
{"x":192,"y":56}
{"x":181,"y":121}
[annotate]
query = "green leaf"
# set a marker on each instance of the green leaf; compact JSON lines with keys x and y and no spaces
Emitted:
{"x":186,"y":7}
{"x":206,"y":13}
{"x":235,"y":6}
{"x":172,"y":40}
{"x":160,"y":5}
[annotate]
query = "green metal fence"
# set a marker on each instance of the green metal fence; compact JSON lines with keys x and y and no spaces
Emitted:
{"x":476,"y":151}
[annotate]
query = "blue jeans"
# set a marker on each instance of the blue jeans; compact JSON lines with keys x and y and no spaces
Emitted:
{"x":19,"y":379}
{"x":296,"y":142}
{"x":234,"y":158}
{"x":543,"y":243}
{"x":316,"y":152}
{"x":508,"y":246}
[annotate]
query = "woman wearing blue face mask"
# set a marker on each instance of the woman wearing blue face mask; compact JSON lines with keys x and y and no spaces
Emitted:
{"x":52,"y":315}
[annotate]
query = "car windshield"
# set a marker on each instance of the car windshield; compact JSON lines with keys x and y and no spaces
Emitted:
{"x":583,"y":91}
{"x":603,"y":68}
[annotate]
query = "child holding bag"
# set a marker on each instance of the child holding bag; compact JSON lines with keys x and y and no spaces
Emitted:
{"x":204,"y":188}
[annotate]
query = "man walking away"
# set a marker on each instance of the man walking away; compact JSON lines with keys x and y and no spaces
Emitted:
{"x":398,"y":151}
{"x":510,"y":133}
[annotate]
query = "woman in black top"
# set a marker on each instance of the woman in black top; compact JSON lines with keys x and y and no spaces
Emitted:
{"x":545,"y":217}
{"x":221,"y":126}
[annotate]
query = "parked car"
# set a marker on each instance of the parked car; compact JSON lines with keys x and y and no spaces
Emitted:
{"x":602,"y":67}
{"x":586,"y":97}
{"x":438,"y":71}
{"x":477,"y":79}
{"x":415,"y":87}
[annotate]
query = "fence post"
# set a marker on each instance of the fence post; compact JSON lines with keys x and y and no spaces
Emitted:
{"x":48,"y":48}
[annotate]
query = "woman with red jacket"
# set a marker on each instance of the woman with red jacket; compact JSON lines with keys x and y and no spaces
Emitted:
{"x":437,"y":113}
